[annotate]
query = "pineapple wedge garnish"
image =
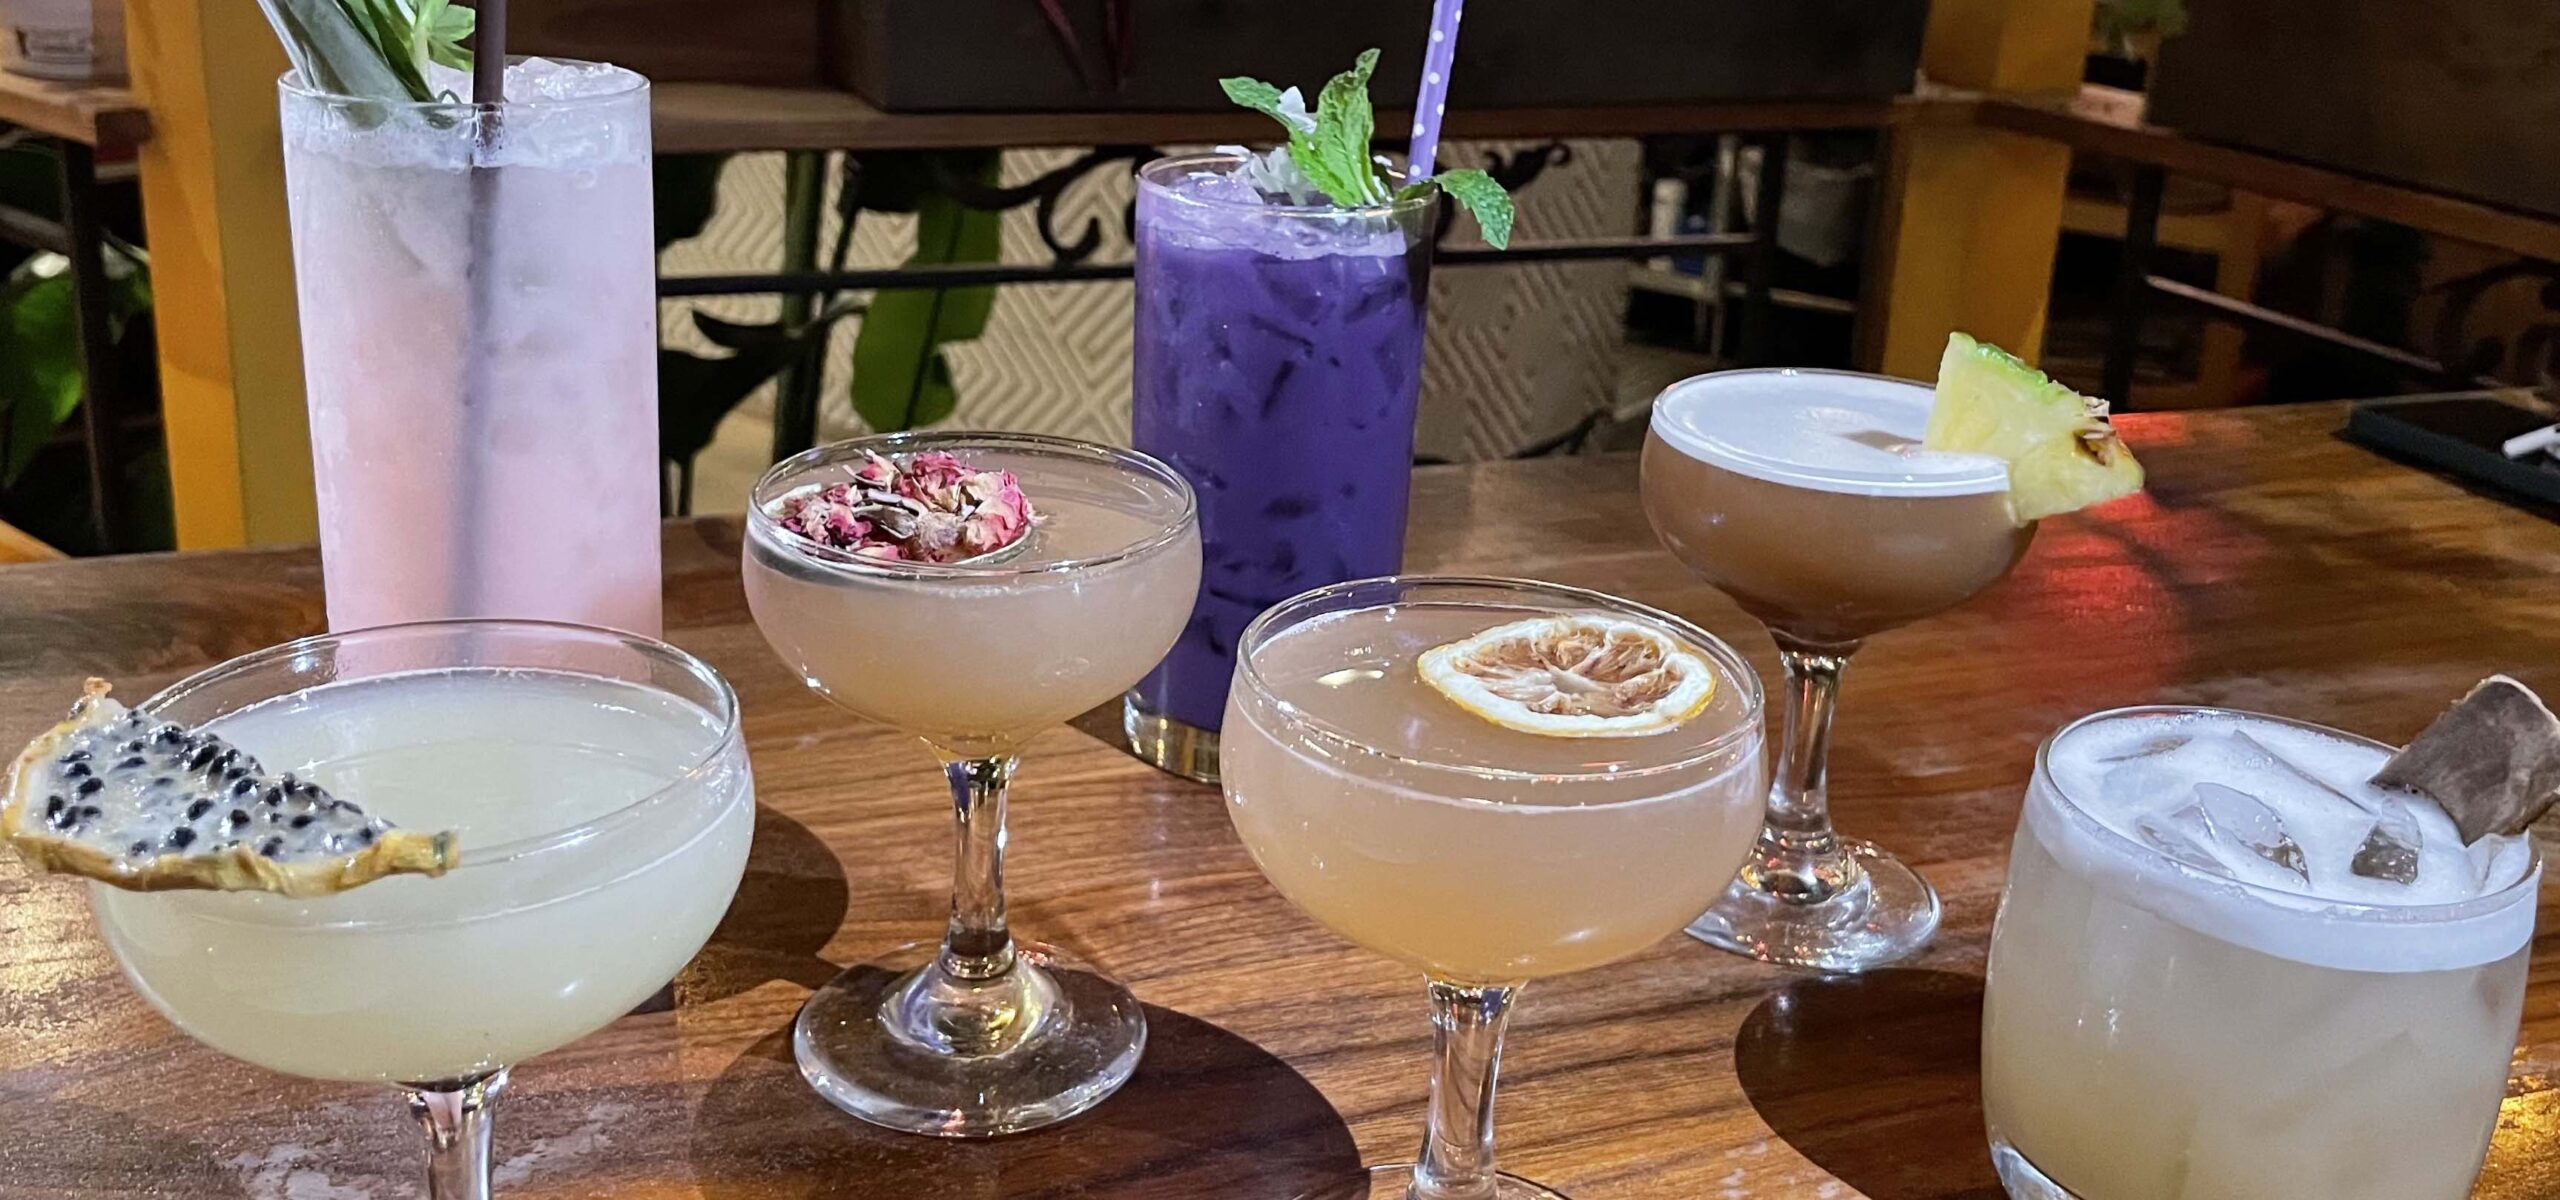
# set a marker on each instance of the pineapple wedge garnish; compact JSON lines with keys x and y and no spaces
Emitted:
{"x":2062,"y":454}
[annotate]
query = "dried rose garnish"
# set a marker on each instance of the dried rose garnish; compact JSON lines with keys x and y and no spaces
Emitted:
{"x":928,"y":507}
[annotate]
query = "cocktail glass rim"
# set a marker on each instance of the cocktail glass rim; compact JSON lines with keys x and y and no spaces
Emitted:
{"x":626,"y":83}
{"x":1736,"y":670}
{"x":1790,"y":474}
{"x":731,"y":730}
{"x":2523,"y":889}
{"x":768,"y":488}
{"x":1155,"y":177}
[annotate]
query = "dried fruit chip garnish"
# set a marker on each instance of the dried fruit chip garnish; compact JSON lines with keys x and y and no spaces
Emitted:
{"x":1573,"y":676}
{"x":2492,"y":760}
{"x":928,"y":507}
{"x":146,"y":805}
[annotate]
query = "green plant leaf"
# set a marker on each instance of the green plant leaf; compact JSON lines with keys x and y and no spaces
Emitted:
{"x":31,"y":180}
{"x":39,"y":367}
{"x":901,"y":378}
{"x":1484,"y":199}
{"x":696,"y":393}
{"x":686,"y":191}
{"x":40,"y":381}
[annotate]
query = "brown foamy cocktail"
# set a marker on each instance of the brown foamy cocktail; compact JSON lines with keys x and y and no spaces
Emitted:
{"x":1806,"y":496}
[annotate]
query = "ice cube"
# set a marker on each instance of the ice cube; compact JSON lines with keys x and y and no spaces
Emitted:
{"x":2391,"y":848}
{"x":2237,"y":816}
{"x":2141,"y":785}
{"x":547,"y":79}
{"x":2150,"y":749}
{"x":2185,"y":835}
{"x":2296,"y":771}
{"x":2230,"y":833}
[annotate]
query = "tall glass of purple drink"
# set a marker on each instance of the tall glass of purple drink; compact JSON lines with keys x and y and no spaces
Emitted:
{"x":1278,"y":357}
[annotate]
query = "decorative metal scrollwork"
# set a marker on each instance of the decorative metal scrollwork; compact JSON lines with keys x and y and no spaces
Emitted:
{"x":1514,"y":172}
{"x":2534,"y":358}
{"x":1043,"y":193}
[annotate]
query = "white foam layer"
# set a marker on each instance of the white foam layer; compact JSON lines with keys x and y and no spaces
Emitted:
{"x":2101,"y":778}
{"x":1828,"y":430}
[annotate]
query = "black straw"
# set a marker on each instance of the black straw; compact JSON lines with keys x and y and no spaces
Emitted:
{"x":479,"y":385}
{"x":489,"y":53}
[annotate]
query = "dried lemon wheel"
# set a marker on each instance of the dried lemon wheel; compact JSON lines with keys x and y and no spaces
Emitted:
{"x":1573,"y":676}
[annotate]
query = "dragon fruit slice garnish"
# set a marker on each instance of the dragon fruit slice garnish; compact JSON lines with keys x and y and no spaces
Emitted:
{"x":929,"y":507}
{"x":127,"y":799}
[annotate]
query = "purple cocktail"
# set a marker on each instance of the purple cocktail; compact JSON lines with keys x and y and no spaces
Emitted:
{"x":1278,"y":356}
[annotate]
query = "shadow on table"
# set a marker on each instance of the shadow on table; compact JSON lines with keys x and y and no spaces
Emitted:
{"x":789,"y":906}
{"x":1876,"y":1078}
{"x":1208,"y":1114}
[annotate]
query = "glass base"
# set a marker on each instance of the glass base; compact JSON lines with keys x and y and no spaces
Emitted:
{"x":1169,"y":745}
{"x":902,"y":1044}
{"x":1889,"y":912}
{"x":2020,"y":1178}
{"x":1396,"y":1183}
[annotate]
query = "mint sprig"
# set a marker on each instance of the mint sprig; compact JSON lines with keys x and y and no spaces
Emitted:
{"x":1331,"y":148}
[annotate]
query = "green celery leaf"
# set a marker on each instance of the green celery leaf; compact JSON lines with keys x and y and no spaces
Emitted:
{"x":1484,"y":199}
{"x":445,"y":29}
{"x":332,"y":50}
{"x":387,"y":27}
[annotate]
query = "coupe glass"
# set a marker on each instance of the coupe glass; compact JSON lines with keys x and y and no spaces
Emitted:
{"x":1827,"y":552}
{"x":1480,"y":856}
{"x":979,"y":1034}
{"x":604,"y":805}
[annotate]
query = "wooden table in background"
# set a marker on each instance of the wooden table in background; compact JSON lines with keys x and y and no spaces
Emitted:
{"x":2270,"y":566}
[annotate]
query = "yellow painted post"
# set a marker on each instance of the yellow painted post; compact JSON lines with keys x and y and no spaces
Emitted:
{"x":1971,"y":216}
{"x":222,"y":271}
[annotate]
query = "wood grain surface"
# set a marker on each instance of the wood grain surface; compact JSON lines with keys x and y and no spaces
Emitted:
{"x":2100,"y":119}
{"x":2269,"y":566}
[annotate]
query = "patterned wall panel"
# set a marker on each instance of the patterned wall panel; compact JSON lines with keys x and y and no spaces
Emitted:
{"x":1515,"y":354}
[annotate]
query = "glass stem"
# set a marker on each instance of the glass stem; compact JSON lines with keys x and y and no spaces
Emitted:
{"x":1799,"y":857}
{"x":977,"y":946}
{"x":457,"y":1116}
{"x":1466,"y":1044}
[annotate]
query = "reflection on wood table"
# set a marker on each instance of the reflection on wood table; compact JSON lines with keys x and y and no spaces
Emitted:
{"x":2269,"y":566}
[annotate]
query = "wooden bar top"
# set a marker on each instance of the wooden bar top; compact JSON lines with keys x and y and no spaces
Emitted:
{"x":722,"y":116}
{"x":2269,"y":566}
